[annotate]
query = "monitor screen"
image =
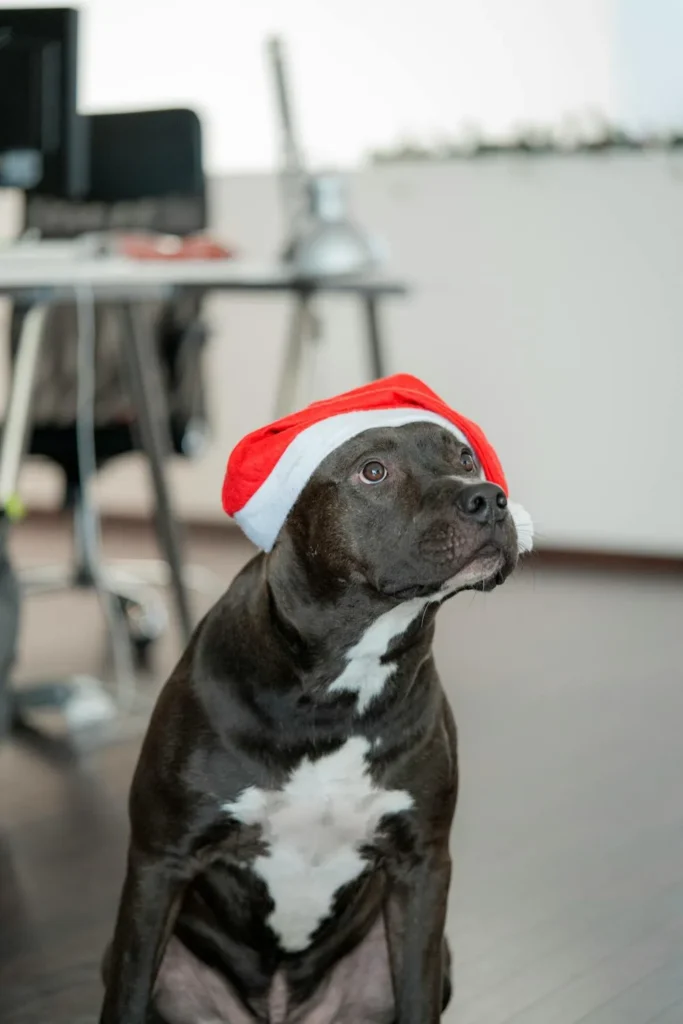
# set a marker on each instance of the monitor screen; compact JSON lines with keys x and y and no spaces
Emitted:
{"x":38,"y":115}
{"x":29,"y":91}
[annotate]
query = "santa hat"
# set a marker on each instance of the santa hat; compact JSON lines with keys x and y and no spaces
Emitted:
{"x":270,"y":467}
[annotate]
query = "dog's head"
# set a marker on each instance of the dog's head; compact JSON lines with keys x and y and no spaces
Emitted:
{"x":407,"y":511}
{"x":386,"y":486}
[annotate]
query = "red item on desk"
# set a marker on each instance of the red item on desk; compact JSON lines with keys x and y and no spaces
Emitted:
{"x":173,"y":247}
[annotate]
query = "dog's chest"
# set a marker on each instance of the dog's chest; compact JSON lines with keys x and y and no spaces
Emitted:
{"x":315,"y":829}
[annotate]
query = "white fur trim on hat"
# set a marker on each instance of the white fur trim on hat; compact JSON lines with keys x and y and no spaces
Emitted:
{"x":524,"y":526}
{"x":264,"y":514}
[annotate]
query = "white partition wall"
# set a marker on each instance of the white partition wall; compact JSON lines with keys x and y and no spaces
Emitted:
{"x":548,"y":303}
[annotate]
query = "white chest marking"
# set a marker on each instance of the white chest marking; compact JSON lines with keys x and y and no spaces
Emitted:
{"x":365,"y":673}
{"x":314,"y":828}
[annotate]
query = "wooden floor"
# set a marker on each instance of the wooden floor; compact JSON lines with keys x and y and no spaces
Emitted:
{"x":567,"y":904}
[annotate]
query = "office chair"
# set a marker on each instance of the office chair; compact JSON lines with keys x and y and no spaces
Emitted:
{"x":177,"y":330}
{"x":146,"y":173}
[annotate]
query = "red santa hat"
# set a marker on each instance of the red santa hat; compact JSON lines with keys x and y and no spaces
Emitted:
{"x":270,"y":467}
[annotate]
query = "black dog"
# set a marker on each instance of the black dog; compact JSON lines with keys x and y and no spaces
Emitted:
{"x":291,"y":810}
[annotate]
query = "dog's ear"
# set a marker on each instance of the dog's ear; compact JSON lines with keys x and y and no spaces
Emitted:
{"x":312,"y":518}
{"x":315,"y":533}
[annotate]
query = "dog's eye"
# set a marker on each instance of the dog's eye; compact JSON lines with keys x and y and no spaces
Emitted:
{"x":467,"y":460}
{"x":373,"y":472}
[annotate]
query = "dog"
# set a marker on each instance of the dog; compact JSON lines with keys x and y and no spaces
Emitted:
{"x":291,"y":809}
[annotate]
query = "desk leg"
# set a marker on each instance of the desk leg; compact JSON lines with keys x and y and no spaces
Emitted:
{"x":152,"y":416}
{"x":14,"y":436}
{"x":377,"y":368}
{"x":17,"y":418}
{"x":286,"y":399}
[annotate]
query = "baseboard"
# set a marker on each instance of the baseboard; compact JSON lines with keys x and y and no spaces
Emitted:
{"x":577,"y":558}
{"x":613,"y":561}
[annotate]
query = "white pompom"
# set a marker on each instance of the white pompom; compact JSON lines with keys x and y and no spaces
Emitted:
{"x":524,"y":526}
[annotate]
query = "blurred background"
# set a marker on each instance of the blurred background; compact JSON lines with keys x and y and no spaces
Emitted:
{"x":212,"y":212}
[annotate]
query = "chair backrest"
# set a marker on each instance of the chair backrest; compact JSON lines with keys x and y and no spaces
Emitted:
{"x":146,"y":173}
{"x":146,"y":154}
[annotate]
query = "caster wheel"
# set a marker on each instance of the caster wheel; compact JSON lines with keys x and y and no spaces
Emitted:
{"x":143,"y":652}
{"x":145,"y":625}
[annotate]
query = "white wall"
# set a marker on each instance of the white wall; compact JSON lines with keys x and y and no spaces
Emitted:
{"x":648,"y":83}
{"x":367,"y":73}
{"x":548,"y":299}
{"x":547,"y":304}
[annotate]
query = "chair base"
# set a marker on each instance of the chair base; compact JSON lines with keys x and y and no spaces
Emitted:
{"x":72,"y":716}
{"x":83,"y":710}
{"x":132,"y":585}
{"x":135,"y":616}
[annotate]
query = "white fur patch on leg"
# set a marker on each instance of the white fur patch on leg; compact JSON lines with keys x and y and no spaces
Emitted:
{"x":524,"y":526}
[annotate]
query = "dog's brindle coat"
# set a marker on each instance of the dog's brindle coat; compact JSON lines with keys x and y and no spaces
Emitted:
{"x":291,"y":809}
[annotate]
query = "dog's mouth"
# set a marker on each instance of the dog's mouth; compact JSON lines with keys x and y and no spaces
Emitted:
{"x":416,"y":590}
{"x":483,"y":570}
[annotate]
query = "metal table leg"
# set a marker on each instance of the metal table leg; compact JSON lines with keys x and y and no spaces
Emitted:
{"x":285,"y":402}
{"x":14,"y":437}
{"x":152,"y":413}
{"x":377,"y":367}
{"x":17,"y":418}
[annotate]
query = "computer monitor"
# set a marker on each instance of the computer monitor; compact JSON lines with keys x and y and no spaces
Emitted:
{"x":43,"y":141}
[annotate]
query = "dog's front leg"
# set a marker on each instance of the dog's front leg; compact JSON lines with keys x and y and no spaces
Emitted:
{"x":151,"y":896}
{"x":415,"y":915}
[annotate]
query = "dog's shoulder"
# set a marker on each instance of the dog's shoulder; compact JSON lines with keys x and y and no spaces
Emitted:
{"x":236,"y":634}
{"x":186,"y":706}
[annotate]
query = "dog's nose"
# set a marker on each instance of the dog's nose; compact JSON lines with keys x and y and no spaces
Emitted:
{"x":485,"y":503}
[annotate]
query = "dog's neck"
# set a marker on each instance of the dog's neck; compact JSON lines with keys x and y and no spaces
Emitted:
{"x":328,"y":624}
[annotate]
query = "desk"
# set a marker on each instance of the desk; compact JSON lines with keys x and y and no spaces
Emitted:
{"x":51,"y":278}
{"x":111,"y":275}
{"x":51,"y":272}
